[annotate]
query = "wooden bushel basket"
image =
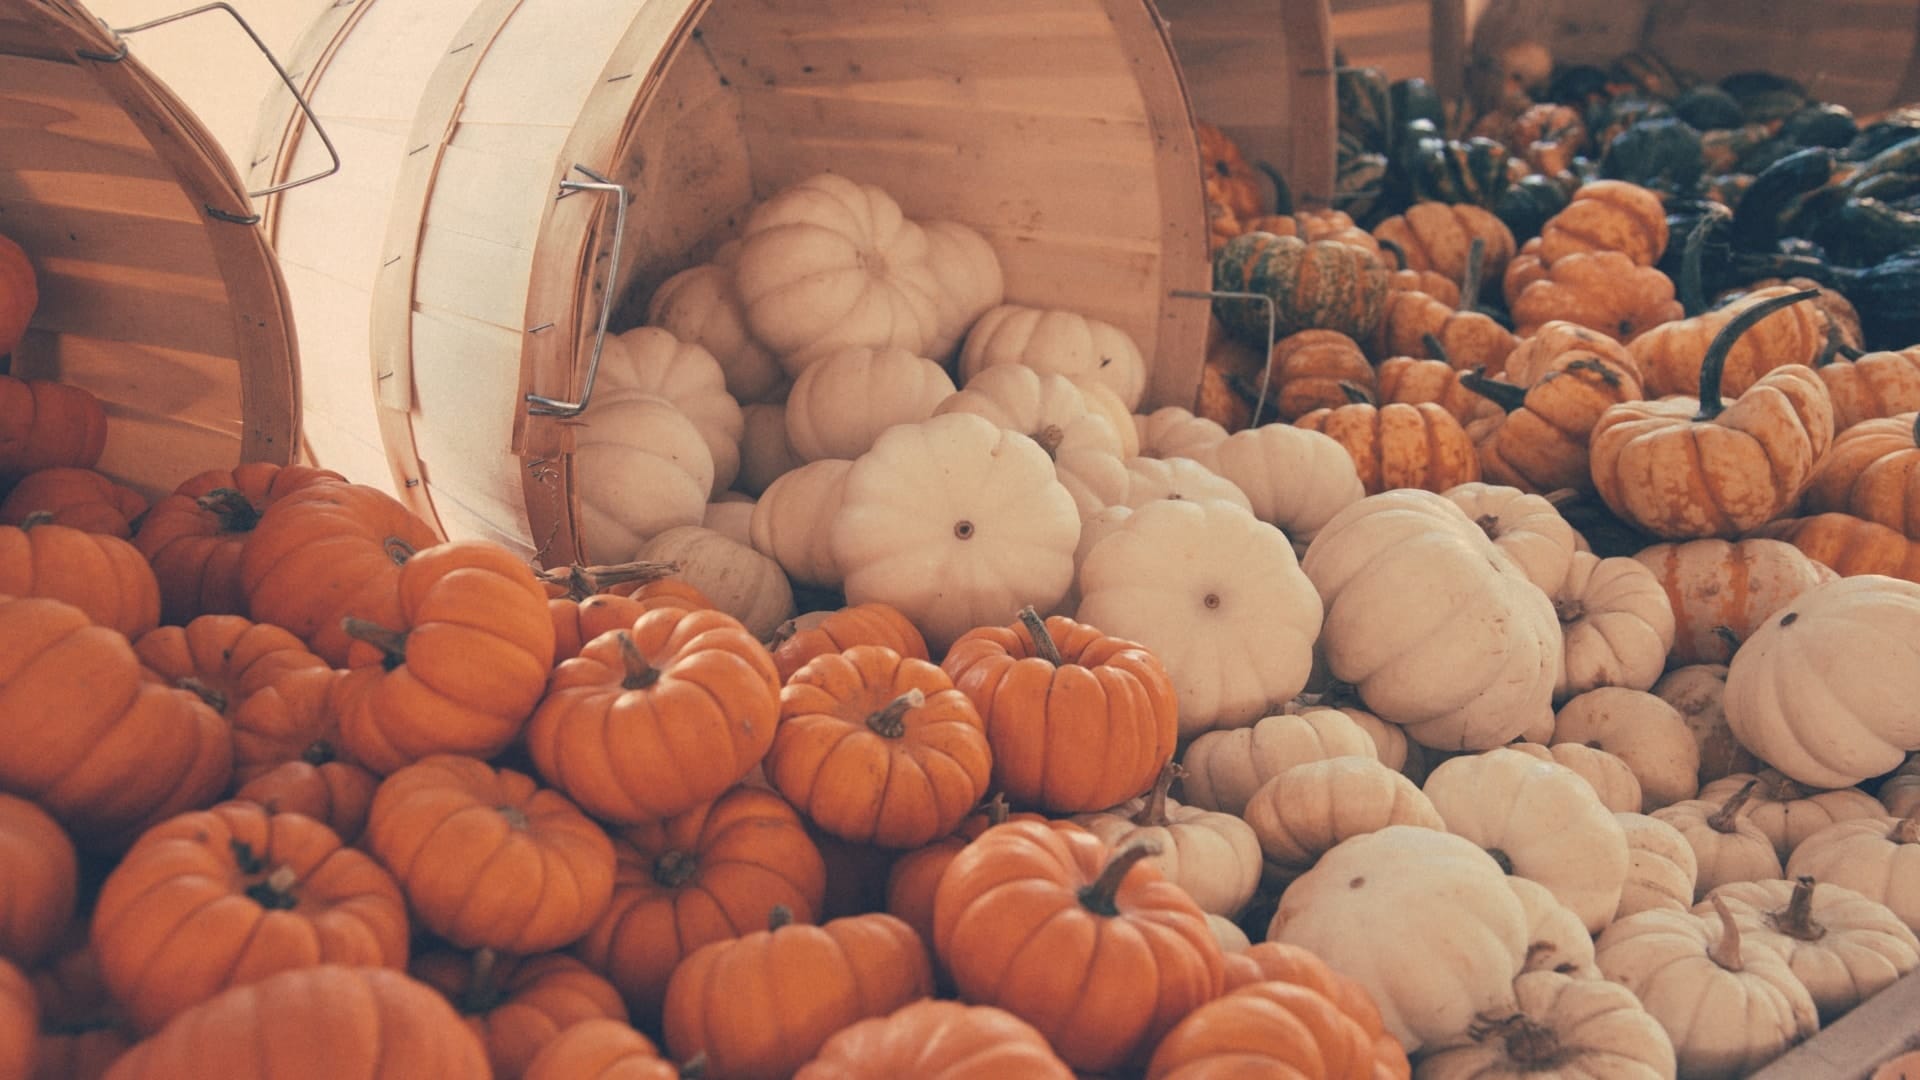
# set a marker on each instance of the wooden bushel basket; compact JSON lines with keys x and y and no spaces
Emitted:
{"x":158,"y":291}
{"x":447,"y":274}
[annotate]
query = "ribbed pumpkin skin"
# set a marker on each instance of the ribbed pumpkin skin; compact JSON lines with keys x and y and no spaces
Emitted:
{"x":103,"y":576}
{"x":336,"y":794}
{"x":1323,"y":285}
{"x":1873,"y":472}
{"x":1278,"y":1026}
{"x":1878,"y":384}
{"x":77,"y":498}
{"x":41,"y":872}
{"x":47,"y":424}
{"x":1400,"y":446}
{"x":938,"y":1040}
{"x":862,"y":624}
{"x":518,"y":1005}
{"x":600,"y":1050}
{"x":1269,"y":961}
{"x":19,"y":1023}
{"x":314,"y":1023}
{"x":224,"y":658}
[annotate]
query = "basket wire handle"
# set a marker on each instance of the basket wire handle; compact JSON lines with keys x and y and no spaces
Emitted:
{"x":119,"y":35}
{"x":538,"y":405}
{"x":1273,"y":318}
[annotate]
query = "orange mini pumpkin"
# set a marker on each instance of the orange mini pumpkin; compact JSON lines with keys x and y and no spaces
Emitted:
{"x":1608,"y":215}
{"x":1028,"y":917}
{"x":1669,"y":355}
{"x":1400,"y":446}
{"x":796,"y":643}
{"x":518,"y":1004}
{"x":291,"y":718}
{"x":938,"y":1040}
{"x":46,"y":424}
{"x":460,"y":669}
{"x":1311,"y":225}
{"x":761,"y":1005}
{"x":1274,"y":1025}
{"x":1871,"y":386}
{"x":1268,"y":961}
{"x":1437,"y":236}
{"x":1540,"y":444}
{"x":1230,"y":181}
{"x":1405,"y":380}
{"x":1432,"y":282}
{"x":336,"y":794}
{"x":1849,"y":546}
{"x":41,"y":870}
{"x":216,"y":898}
{"x":223,"y":658}
{"x":1604,"y":291}
{"x":601,"y":1049}
{"x":1416,"y":324}
{"x":1078,"y":721}
{"x":652,"y":721}
{"x":915,"y":875}
{"x":878,"y":748}
{"x":19,"y":296}
{"x":1873,"y":473}
{"x":713,"y":873}
{"x":77,"y":498}
{"x":101,"y":575}
{"x":1308,"y":367}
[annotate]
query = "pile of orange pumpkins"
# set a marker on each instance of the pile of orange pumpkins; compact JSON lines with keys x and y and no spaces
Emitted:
{"x":290,"y":786}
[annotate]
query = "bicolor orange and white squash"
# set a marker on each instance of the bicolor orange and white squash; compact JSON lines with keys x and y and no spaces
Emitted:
{"x":1715,"y":583}
{"x":649,"y":360}
{"x":700,"y":305}
{"x":1306,"y":811}
{"x":791,"y":522}
{"x":1789,"y":811}
{"x":1641,"y":730}
{"x":844,"y":399}
{"x":1057,"y":342}
{"x":1224,"y":767}
{"x":1215,"y":857}
{"x":1556,"y":938}
{"x":1049,"y":409}
{"x":1470,"y":655}
{"x":1661,"y":867}
{"x":1525,"y":526}
{"x":1561,"y":1026}
{"x":640,"y":468}
{"x":1294,"y":479}
{"x":1422,"y":919}
{"x":970,"y":278}
{"x":1845,"y":947}
{"x":1171,"y":431}
{"x":1824,"y":691}
{"x":765,"y":453}
{"x":956,"y":523}
{"x":737,"y":579}
{"x":1217,"y":595}
{"x":1616,"y":622}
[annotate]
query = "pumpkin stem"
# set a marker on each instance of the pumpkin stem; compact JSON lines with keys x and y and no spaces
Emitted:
{"x":695,"y":1068}
{"x":997,"y":809}
{"x":1504,"y":860}
{"x":1727,"y":637}
{"x":1050,"y":438}
{"x":319,"y":752}
{"x":1043,"y":644}
{"x":1796,"y":920}
{"x":1916,"y":429}
{"x":674,"y":869}
{"x":1153,"y":814}
{"x":1726,"y":951}
{"x":1506,"y":395}
{"x":1099,"y":896}
{"x":481,"y":994}
{"x":244,"y":858}
{"x":1905,"y":831}
{"x":891,"y":721}
{"x":1355,"y":393}
{"x":1531,"y":1045}
{"x":517,"y":818}
{"x":1399,"y":253}
{"x":276,"y":892}
{"x":1833,"y":346}
{"x":398,"y":550}
{"x":1435,"y":349}
{"x":1715,"y":363}
{"x":233,"y":510}
{"x":391,"y":643}
{"x":38,"y":517}
{"x":1778,"y":787}
{"x":1560,"y":497}
{"x":1722,"y":820}
{"x":1693,"y":295}
{"x":215,"y":700}
{"x":780,"y":916}
{"x":582,"y":582}
{"x":640,"y":674}
{"x":1476,"y":265}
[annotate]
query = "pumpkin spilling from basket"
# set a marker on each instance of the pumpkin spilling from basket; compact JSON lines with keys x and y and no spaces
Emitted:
{"x":1512,"y":671}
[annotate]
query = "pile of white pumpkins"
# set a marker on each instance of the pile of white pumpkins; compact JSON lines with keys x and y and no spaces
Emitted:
{"x":1496,"y":775}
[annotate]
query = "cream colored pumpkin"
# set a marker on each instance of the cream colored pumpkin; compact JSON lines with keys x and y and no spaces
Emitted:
{"x":1729,"y":1008}
{"x":830,"y":262}
{"x":1564,"y":1028}
{"x":1525,"y":526}
{"x":1092,"y":530}
{"x":1215,"y":593}
{"x":1876,"y":857}
{"x":1057,"y":343}
{"x":970,"y":281}
{"x":1227,"y":934}
{"x":1789,"y":811}
{"x":1616,"y":622}
{"x":731,"y":518}
{"x":1438,"y":630}
{"x":1295,"y":479}
{"x":1422,"y":919}
{"x":765,"y":454}
{"x":1900,"y":793}
{"x":1726,"y":845}
{"x":843,"y":401}
{"x":1302,"y":813}
{"x":792,"y":523}
{"x":1661,"y":867}
{"x":1641,"y":730}
{"x":639,"y":468}
{"x":1093,"y":478}
{"x":1223,"y":768}
{"x":1556,"y":939}
{"x":1611,"y":780}
{"x":1172,"y":431}
{"x":1153,"y":479}
{"x":700,"y":305}
{"x":1103,"y":401}
{"x":1696,"y":692}
{"x":1215,"y":857}
{"x":739,"y":580}
{"x":1390,"y":743}
{"x":649,"y":360}
{"x":1049,"y":409}
{"x":1845,"y":947}
{"x":957,"y":524}
{"x":1538,"y":820}
{"x":1825,"y":690}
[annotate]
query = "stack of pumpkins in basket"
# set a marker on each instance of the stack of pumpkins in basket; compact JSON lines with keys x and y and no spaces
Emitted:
{"x":1081,"y":700}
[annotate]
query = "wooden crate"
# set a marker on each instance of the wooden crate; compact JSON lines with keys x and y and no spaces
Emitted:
{"x":1405,"y":38}
{"x":158,"y":291}
{"x":441,"y":277}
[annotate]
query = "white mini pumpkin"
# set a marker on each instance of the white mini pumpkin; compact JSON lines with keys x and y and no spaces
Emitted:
{"x":1843,"y":945}
{"x":1661,"y":867}
{"x":1616,"y":622}
{"x":739,"y":580}
{"x":1789,"y":811}
{"x":1295,"y":479}
{"x":1058,"y":343}
{"x":1153,"y":479}
{"x":1641,"y":730}
{"x":792,"y":522}
{"x":1438,"y":630}
{"x":1171,"y":431}
{"x":649,"y":360}
{"x":843,"y":401}
{"x":1561,"y":1027}
{"x":639,"y":468}
{"x":1525,"y":526}
{"x":1215,"y":593}
{"x":1876,"y":857}
{"x":1726,"y":846}
{"x":1611,"y":780}
{"x":1697,"y":692}
{"x":957,"y":524}
{"x":1049,"y":409}
{"x":765,"y":454}
{"x":971,"y":282}
{"x":701,"y":305}
{"x":1303,"y":812}
{"x":1215,"y":857}
{"x":1223,"y":768}
{"x":830,"y":262}
{"x":731,"y":518}
{"x":1556,"y":938}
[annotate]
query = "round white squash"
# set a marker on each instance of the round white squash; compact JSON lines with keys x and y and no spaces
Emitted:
{"x":1223,"y":768}
{"x":1846,"y":947}
{"x":1049,"y":409}
{"x":1641,"y":730}
{"x":1295,"y":479}
{"x":1057,"y":343}
{"x":739,"y":580}
{"x":700,"y":305}
{"x":1876,"y":857}
{"x":649,"y":360}
{"x":1525,"y":526}
{"x":1305,"y":811}
{"x":1661,"y":867}
{"x":1726,"y":845}
{"x":765,"y":454}
{"x":640,"y":468}
{"x":1616,"y":622}
{"x":1153,"y":479}
{"x":1171,"y":431}
{"x":1562,"y":1027}
{"x":846,"y":398}
{"x":971,"y":282}
{"x":1213,"y":856}
{"x":1611,"y":780}
{"x":1789,"y":811}
{"x":1556,"y":939}
{"x":792,"y":521}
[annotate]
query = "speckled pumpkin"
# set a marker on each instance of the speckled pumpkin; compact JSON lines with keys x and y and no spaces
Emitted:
{"x":1318,"y":285}
{"x":1400,"y":446}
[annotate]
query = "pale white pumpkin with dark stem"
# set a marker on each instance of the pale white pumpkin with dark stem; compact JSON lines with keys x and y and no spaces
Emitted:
{"x":1843,"y":945}
{"x":1561,"y":1026}
{"x":640,"y":468}
{"x":1215,"y":857}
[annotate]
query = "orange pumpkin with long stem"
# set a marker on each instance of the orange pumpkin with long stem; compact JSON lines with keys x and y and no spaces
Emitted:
{"x":101,"y":575}
{"x":460,"y":669}
{"x":1669,"y":355}
{"x":1873,"y":473}
{"x":878,"y":748}
{"x":796,"y":644}
{"x":713,"y":873}
{"x":223,"y":658}
{"x":194,"y":536}
{"x":1539,"y":444}
{"x":41,"y":870}
{"x":1399,"y":446}
{"x":47,"y":424}
{"x":649,"y":722}
{"x":1680,"y":468}
{"x":1467,"y":338}
{"x":216,"y":898}
{"x":1033,"y":920}
{"x":938,"y":1040}
{"x":336,"y":794}
{"x":77,"y":498}
{"x":1078,"y":721}
{"x":518,"y":1004}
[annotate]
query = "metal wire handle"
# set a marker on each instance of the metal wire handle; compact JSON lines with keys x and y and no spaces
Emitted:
{"x":1273,"y":318}
{"x":538,"y":405}
{"x":120,"y":33}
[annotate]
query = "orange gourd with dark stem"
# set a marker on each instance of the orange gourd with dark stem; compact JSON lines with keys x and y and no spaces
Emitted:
{"x":1466,"y":338}
{"x":1437,"y":236}
{"x":461,"y":668}
{"x":1307,"y":369}
{"x":1399,"y":446}
{"x":326,"y":552}
{"x":1873,"y":473}
{"x":1268,"y":961}
{"x":1608,"y":215}
{"x":602,"y":1050}
{"x":1540,"y":444}
{"x":761,"y":1005}
{"x":101,"y":575}
{"x":1277,"y":1026}
{"x":652,"y":721}
{"x":223,"y":658}
{"x":1602,"y":291}
{"x":194,"y":536}
{"x":1406,"y":380}
{"x":518,"y":1004}
{"x":713,"y":873}
{"x":1669,"y":356}
{"x":41,"y":871}
{"x":1873,"y":385}
{"x":938,"y":1040}
{"x":1099,"y":952}
{"x":47,"y":424}
{"x":862,"y":624}
{"x":1078,"y":721}
{"x":77,"y":498}
{"x":1432,"y":282}
{"x":216,"y":898}
{"x":336,"y":794}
